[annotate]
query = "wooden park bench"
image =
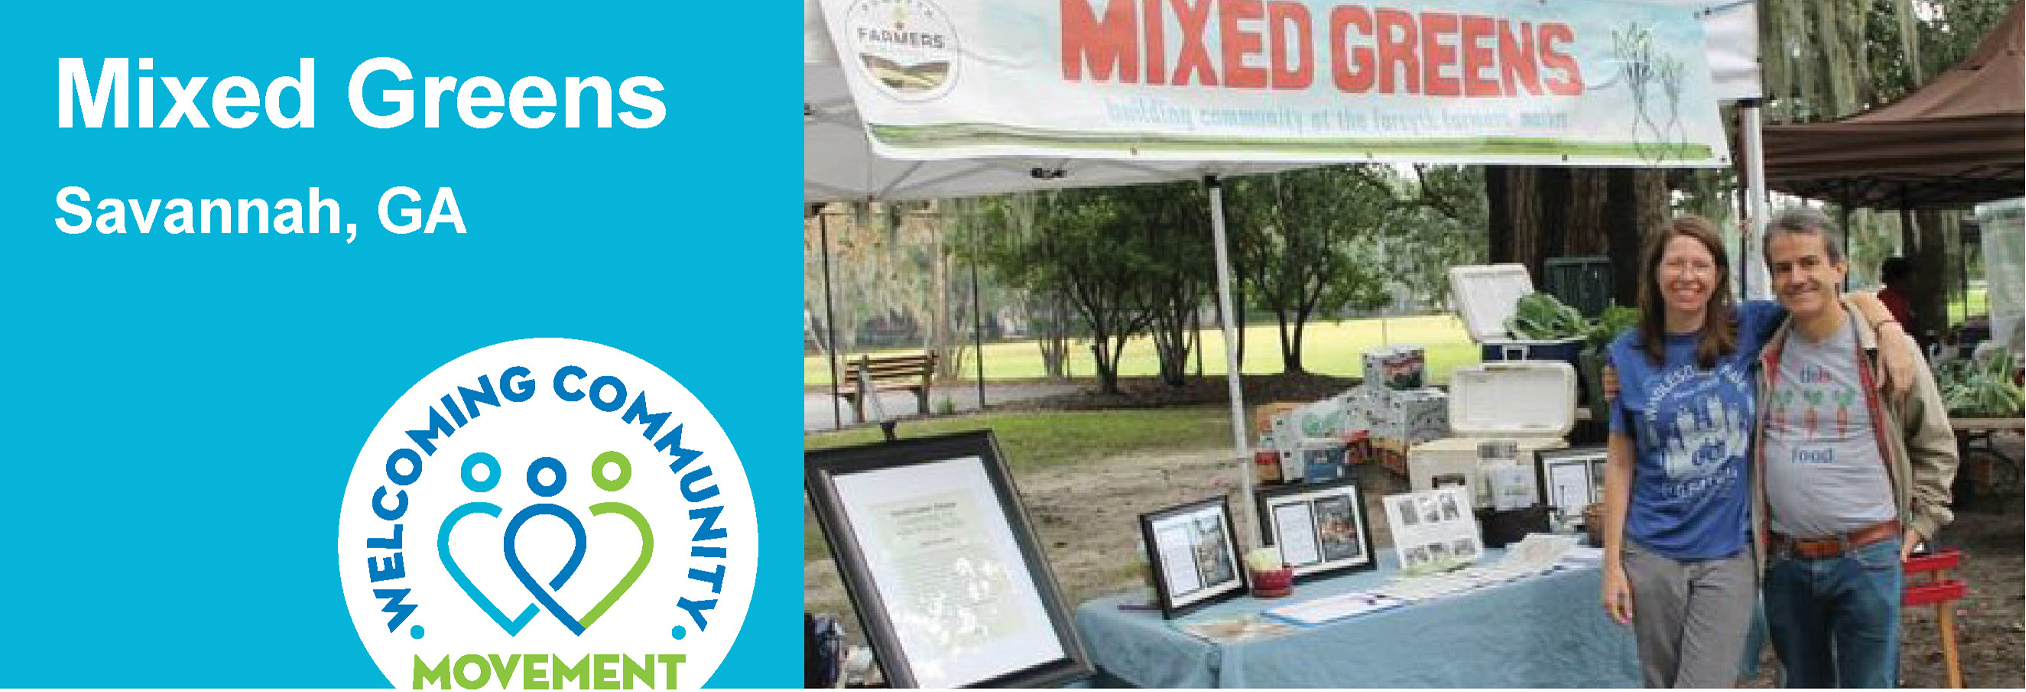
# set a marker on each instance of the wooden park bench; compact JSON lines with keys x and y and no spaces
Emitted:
{"x":909,"y":373}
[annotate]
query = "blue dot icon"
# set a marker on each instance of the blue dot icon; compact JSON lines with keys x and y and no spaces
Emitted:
{"x":679,"y":632}
{"x":415,"y":632}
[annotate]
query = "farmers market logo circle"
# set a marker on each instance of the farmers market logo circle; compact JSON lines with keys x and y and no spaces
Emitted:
{"x":546,"y":513}
{"x":908,"y":48}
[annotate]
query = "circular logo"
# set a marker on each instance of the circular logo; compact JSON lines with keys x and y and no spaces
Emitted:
{"x":546,"y":513}
{"x":908,"y":48}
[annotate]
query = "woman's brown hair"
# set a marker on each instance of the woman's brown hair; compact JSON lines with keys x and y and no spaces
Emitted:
{"x":1719,"y":332}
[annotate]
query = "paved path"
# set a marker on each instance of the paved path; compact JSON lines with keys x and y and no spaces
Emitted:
{"x":817,"y":414}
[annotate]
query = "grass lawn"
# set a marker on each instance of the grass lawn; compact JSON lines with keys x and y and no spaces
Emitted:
{"x":1033,"y":441}
{"x":1978,"y":306}
{"x":1330,"y":348}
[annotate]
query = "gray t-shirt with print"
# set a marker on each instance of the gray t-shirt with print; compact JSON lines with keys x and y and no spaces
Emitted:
{"x":1824,"y":475}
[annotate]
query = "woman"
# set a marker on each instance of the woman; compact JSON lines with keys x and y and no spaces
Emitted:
{"x":1676,"y":483}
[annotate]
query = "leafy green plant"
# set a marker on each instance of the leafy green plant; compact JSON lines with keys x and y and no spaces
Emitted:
{"x":1616,"y":318}
{"x":1980,"y":390}
{"x":1541,"y":316}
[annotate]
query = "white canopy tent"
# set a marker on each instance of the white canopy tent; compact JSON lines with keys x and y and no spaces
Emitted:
{"x":839,"y":163}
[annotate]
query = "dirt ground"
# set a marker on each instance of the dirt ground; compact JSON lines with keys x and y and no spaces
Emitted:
{"x":1087,"y":518}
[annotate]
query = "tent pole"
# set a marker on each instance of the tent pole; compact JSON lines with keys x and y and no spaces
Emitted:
{"x":830,"y":324}
{"x":1755,"y":183}
{"x":1231,"y":372}
{"x":977,"y":320}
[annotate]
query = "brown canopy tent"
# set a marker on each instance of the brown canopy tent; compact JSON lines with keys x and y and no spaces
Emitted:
{"x":1956,"y":141}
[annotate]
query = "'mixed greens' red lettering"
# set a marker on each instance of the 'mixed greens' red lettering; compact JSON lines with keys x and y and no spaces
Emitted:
{"x":1106,"y":45}
{"x":1281,"y":17}
{"x":1372,"y":49}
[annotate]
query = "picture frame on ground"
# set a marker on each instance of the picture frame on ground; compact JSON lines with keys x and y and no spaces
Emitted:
{"x":1571,"y":479}
{"x":1319,"y":528}
{"x":1193,"y":552}
{"x":939,"y":559}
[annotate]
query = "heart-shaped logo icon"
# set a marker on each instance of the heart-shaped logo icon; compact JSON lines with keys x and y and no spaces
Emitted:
{"x":545,"y":597}
{"x":512,"y":627}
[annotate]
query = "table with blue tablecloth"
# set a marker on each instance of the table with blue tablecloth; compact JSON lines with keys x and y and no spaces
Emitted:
{"x":1543,"y":631}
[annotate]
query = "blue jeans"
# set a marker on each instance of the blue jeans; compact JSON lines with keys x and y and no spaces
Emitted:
{"x":1835,"y":621}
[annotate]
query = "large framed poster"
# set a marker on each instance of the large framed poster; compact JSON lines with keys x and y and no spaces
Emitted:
{"x":1193,"y":550}
{"x":1319,"y":528}
{"x":937,"y":554}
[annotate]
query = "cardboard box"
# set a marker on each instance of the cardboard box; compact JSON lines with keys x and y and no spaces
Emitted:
{"x":1323,"y":461}
{"x":1397,"y":367}
{"x":1263,"y":415}
{"x":1366,"y":408}
{"x":1412,"y":416}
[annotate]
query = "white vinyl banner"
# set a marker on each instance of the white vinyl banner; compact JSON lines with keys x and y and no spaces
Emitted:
{"x":1544,"y":82}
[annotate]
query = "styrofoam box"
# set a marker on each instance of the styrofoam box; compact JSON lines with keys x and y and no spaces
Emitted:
{"x":1485,"y":295}
{"x":1512,"y":399}
{"x":1458,"y":456}
{"x":1532,"y":403}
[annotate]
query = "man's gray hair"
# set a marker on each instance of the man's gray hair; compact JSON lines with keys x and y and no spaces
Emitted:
{"x":1804,"y":221}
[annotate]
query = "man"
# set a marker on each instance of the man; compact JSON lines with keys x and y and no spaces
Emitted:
{"x":1897,"y":275}
{"x":1848,"y":479}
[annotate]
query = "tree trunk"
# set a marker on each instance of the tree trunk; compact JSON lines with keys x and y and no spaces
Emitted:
{"x":1498,"y":212}
{"x":1930,"y":294}
{"x":1587,"y":232}
{"x":1538,"y":213}
{"x":1623,"y":234}
{"x":1107,"y":371}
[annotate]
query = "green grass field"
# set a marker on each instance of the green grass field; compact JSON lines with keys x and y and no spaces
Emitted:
{"x":1978,"y":305}
{"x":1331,"y":348}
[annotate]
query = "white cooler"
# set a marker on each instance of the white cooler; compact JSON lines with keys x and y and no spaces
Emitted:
{"x":1531,"y":403}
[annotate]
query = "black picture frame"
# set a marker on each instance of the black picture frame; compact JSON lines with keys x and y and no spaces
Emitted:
{"x":1590,"y":457}
{"x":833,"y":476}
{"x":1214,"y":586}
{"x":1343,"y":495}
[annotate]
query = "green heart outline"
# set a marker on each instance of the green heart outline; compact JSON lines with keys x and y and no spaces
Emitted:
{"x":639,"y":565}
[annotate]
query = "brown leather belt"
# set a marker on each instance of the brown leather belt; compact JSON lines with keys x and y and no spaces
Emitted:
{"x":1836,"y":546}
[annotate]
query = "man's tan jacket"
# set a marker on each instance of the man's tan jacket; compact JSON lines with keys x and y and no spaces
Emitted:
{"x":1913,"y":434}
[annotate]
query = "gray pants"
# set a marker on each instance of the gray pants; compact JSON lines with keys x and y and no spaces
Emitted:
{"x":1690,"y":618}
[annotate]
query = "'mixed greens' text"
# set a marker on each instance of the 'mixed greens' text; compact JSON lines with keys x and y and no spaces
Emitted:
{"x":545,"y":672}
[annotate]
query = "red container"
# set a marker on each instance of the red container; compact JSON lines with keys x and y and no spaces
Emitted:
{"x":1273,"y":583}
{"x":1266,"y":465}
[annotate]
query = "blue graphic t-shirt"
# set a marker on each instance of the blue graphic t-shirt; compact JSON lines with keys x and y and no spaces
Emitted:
{"x":1691,"y":430}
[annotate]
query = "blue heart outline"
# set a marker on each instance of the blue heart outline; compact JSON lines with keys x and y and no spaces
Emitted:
{"x":512,"y":627}
{"x":521,"y":572}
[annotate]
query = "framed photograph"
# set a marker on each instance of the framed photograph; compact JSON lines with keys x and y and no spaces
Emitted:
{"x":1320,"y":528}
{"x":1571,"y":479}
{"x":1194,"y":553}
{"x":1434,"y":528}
{"x":942,"y":565}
